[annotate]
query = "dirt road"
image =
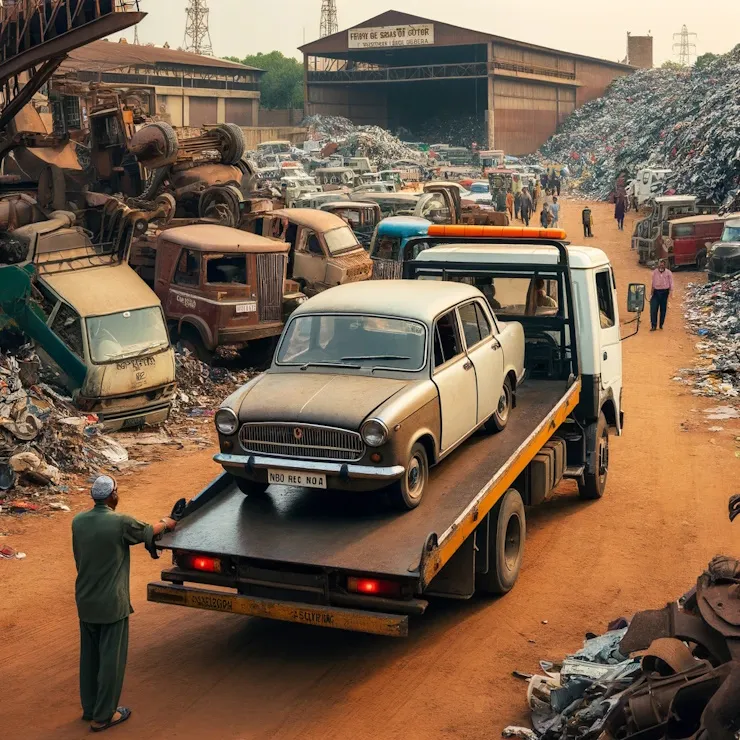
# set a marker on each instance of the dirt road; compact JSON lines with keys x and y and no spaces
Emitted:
{"x":205,"y":675}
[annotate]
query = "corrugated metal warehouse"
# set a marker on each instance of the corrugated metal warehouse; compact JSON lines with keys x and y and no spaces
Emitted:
{"x":397,"y":70}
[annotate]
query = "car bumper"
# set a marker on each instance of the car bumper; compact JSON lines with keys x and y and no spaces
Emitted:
{"x":341,"y":471}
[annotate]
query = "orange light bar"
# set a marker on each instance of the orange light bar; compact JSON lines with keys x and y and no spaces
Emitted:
{"x":469,"y":231}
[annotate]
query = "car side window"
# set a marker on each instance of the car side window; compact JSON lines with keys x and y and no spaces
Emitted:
{"x":314,"y":245}
{"x":471,"y":330}
{"x":68,"y":325}
{"x":484,"y":325}
{"x":447,"y":343}
{"x":605,"y":298}
{"x":188,"y":268}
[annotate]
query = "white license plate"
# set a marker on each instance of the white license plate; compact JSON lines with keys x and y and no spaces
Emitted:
{"x":246,"y":308}
{"x":296,"y":478}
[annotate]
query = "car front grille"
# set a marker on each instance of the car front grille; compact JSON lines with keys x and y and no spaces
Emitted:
{"x":305,"y":441}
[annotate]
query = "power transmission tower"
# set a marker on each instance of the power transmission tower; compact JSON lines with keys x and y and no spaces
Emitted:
{"x":329,"y":22}
{"x":684,"y":46}
{"x":197,"y":35}
{"x":136,"y":35}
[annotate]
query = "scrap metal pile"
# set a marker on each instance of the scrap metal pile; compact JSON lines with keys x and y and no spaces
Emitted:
{"x":687,"y":121}
{"x":712,"y":311}
{"x":668,"y":673}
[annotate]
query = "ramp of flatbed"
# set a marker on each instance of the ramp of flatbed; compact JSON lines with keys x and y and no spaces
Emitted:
{"x":357,"y":531}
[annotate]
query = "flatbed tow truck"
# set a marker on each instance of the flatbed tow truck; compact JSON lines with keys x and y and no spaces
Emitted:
{"x":348,"y":562}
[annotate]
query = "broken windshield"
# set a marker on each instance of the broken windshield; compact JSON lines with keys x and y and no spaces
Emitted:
{"x":341,"y":240}
{"x":127,"y":334}
{"x":731,"y":234}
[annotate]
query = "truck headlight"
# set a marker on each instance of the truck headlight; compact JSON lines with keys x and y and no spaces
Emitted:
{"x":226,"y":421}
{"x":374,"y":433}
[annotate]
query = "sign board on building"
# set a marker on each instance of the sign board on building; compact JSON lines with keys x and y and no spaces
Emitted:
{"x":418,"y":34}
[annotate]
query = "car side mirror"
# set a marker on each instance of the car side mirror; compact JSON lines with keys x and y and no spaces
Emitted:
{"x":636,"y":298}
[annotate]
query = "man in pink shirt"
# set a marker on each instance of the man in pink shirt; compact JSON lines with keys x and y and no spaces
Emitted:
{"x":662,"y":288}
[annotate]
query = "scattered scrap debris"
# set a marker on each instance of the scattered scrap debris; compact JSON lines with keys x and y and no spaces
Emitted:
{"x":671,"y":673}
{"x":9,"y":553}
{"x":684,"y":120}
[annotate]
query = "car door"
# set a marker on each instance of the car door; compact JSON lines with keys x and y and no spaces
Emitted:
{"x":609,"y":332}
{"x":310,"y":260}
{"x":487,"y":356}
{"x":454,"y":377}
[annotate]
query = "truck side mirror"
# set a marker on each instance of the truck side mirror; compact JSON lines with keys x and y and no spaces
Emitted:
{"x":636,"y":298}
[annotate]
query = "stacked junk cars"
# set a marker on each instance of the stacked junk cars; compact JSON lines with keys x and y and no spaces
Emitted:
{"x":666,"y":674}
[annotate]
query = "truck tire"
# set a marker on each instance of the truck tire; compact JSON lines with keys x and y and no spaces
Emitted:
{"x":498,"y":421}
{"x":406,"y":494}
{"x":507,"y":532}
{"x":701,"y":260}
{"x":234,"y":144}
{"x":251,"y":487}
{"x":192,"y":342}
{"x":594,"y":483}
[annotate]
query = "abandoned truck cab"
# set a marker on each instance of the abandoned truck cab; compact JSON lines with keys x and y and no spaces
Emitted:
{"x":222,"y":286}
{"x":388,"y":247}
{"x":324,"y":251}
{"x":724,"y":256}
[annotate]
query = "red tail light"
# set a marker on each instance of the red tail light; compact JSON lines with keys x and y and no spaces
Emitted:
{"x":373,"y":587}
{"x":199,"y":562}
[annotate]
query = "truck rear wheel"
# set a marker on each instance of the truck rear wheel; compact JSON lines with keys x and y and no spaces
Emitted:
{"x":507,"y":532}
{"x":594,"y":482}
{"x":251,"y":487}
{"x":406,"y":494}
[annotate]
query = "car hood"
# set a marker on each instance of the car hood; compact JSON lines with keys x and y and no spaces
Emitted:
{"x":342,"y":401}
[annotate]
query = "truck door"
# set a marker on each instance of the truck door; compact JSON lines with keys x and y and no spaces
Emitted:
{"x":609,"y":334}
{"x":185,"y":287}
{"x":310,"y":260}
{"x":454,"y":377}
{"x":487,"y":357}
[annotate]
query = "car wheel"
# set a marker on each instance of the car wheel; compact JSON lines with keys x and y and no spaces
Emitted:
{"x":251,"y":487}
{"x":701,"y":261}
{"x":407,"y":493}
{"x":506,"y":535}
{"x":594,"y":484}
{"x":500,"y":417}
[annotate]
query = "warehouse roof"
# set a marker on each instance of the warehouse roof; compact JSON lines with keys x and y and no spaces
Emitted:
{"x":338,"y":43}
{"x":108,"y":55}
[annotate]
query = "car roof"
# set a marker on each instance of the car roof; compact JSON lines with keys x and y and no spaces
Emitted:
{"x":348,"y":204}
{"x":704,"y":218}
{"x":400,"y":197}
{"x":423,"y":300}
{"x":579,"y":257}
{"x":312,"y":218}
{"x":676,"y":199}
{"x":404,"y":226}
{"x":99,"y":291}
{"x":214,"y":238}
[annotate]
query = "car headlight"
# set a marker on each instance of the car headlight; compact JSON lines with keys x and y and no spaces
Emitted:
{"x":374,"y":433}
{"x":226,"y":421}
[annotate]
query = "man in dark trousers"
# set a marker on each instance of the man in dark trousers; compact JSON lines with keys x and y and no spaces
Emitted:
{"x":662,"y":289}
{"x":588,"y":222}
{"x":527,"y":206}
{"x":101,"y":540}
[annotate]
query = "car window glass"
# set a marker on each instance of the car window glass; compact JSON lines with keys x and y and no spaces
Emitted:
{"x":605,"y":295}
{"x":471,"y":330}
{"x":227,"y":269}
{"x":68,"y":326}
{"x":314,"y":245}
{"x":484,"y":326}
{"x":448,"y":339}
{"x":45,"y":300}
{"x":188,"y":268}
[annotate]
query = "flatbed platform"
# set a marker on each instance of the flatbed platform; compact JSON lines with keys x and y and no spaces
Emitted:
{"x":358,"y":532}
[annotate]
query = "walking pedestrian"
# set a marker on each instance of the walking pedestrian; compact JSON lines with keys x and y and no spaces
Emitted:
{"x":500,"y":200}
{"x":518,"y":204}
{"x":536,"y":195}
{"x":588,"y":222}
{"x":662,"y":287}
{"x":510,"y":204}
{"x":619,"y":210}
{"x":526,"y":206}
{"x":557,"y":184}
{"x":555,"y":211}
{"x":101,"y":540}
{"x":545,"y":218}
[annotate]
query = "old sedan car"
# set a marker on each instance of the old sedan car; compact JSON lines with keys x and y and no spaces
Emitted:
{"x":371,"y":384}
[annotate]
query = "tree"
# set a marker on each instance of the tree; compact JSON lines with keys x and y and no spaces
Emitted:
{"x":282,"y":84}
{"x":673,"y":66}
{"x":706,"y":59}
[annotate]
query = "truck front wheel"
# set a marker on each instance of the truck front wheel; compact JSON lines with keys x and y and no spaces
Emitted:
{"x":251,"y":487}
{"x":594,"y":481}
{"x":506,"y":534}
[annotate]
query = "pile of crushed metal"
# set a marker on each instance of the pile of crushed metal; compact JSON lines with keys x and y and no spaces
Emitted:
{"x":712,"y":311}
{"x":380,"y":146}
{"x":667,"y":673}
{"x":687,"y":121}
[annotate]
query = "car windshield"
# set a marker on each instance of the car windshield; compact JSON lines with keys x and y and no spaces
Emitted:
{"x":731,"y":234}
{"x":354,"y":341}
{"x":479,"y":187}
{"x":340,"y":240}
{"x":385,"y":248}
{"x":127,"y":334}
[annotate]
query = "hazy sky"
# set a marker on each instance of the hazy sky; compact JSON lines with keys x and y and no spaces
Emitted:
{"x":240,"y":27}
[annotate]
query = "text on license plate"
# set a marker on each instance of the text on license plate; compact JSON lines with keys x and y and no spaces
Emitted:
{"x":246,"y":308}
{"x":296,"y":478}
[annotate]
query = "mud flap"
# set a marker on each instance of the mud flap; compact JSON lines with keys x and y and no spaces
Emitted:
{"x":456,"y":580}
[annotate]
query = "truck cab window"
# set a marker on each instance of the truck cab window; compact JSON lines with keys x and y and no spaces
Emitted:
{"x":227,"y":270}
{"x":68,"y":326}
{"x":188,"y":268}
{"x":605,"y":298}
{"x":314,"y":245}
{"x":447,"y":343}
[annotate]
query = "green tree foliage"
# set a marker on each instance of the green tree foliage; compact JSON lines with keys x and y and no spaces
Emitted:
{"x":706,"y":59}
{"x":282,"y":84}
{"x":675,"y":66}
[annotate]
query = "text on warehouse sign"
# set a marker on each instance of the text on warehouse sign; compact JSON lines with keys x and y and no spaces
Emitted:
{"x":419,"y":34}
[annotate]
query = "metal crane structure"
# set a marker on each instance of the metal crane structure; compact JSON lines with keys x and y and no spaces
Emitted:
{"x":197,"y":34}
{"x":329,"y":22}
{"x":684,"y":46}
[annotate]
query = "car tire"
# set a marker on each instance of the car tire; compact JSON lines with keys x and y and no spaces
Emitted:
{"x":701,"y":261}
{"x":594,"y":484}
{"x":507,"y":532}
{"x":406,"y":494}
{"x":500,"y":418}
{"x":251,"y":487}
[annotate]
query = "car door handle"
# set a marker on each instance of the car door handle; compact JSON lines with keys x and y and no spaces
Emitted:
{"x":495,"y":345}
{"x":605,"y":355}
{"x":468,"y":365}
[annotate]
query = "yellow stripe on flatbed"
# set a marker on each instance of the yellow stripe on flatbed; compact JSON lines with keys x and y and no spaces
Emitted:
{"x":374,"y":623}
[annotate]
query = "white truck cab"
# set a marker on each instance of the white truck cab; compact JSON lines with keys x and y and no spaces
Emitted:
{"x":649,"y":183}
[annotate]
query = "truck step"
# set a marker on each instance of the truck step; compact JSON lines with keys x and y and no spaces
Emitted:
{"x":574,"y":472}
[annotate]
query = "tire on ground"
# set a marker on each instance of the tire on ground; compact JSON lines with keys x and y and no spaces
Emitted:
{"x":594,"y":483}
{"x":507,"y":532}
{"x":251,"y":487}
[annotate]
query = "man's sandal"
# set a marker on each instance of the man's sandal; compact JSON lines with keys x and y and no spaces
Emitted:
{"x":125,"y":714}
